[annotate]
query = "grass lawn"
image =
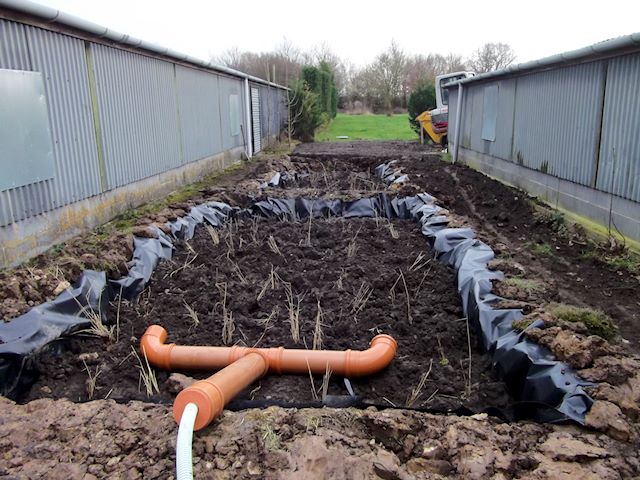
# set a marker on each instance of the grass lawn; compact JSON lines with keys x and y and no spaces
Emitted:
{"x":368,"y":127}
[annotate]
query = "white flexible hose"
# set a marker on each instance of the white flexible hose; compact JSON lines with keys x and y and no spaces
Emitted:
{"x":184,"y":462}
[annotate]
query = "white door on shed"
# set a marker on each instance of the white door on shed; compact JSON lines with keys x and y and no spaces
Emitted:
{"x":255,"y":117}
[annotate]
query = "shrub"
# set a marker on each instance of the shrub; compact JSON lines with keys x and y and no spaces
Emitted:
{"x":320,"y":80}
{"x":304,"y":112}
{"x":422,"y":98}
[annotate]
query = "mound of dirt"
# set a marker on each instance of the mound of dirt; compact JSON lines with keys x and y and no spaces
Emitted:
{"x":57,"y":439}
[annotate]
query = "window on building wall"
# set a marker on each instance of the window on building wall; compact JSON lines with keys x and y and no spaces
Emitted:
{"x":234,"y":114}
{"x":490,"y":113}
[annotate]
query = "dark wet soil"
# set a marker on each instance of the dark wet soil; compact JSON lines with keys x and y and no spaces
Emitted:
{"x":504,"y":217}
{"x":430,"y":331}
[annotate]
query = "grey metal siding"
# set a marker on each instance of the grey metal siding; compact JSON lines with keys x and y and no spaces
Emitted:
{"x":556,"y":121}
{"x":14,"y":52}
{"x":199,"y":108}
{"x":19,"y":203}
{"x":453,"y":105}
{"x":472,"y":113}
{"x":265,"y":112}
{"x":475,"y":98}
{"x":273,"y":110}
{"x":138,"y":114}
{"x":467,"y":118}
{"x":503,"y":144}
{"x":255,"y":119}
{"x":619,"y":170}
{"x":229,"y":86}
{"x":116,"y":116}
{"x":62,"y":61}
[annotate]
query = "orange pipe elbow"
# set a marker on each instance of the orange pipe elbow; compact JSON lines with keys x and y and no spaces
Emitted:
{"x":242,"y":366}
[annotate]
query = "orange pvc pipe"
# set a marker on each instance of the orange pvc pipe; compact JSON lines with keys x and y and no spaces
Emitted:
{"x":212,"y":394}
{"x":242,"y":366}
{"x":348,"y":363}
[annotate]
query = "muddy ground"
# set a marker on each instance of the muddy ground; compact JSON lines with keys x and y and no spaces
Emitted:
{"x":506,"y":219}
{"x":346,"y":275}
{"x":57,"y":439}
{"x":125,"y":438}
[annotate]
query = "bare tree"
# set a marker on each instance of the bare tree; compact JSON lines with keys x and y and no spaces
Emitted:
{"x":324,"y":54}
{"x":491,"y":56}
{"x":383,"y":84}
{"x":285,"y":57}
{"x":387,"y":74}
{"x":426,"y":67}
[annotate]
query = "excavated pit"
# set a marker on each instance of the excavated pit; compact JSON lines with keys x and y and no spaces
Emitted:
{"x":330,"y":262}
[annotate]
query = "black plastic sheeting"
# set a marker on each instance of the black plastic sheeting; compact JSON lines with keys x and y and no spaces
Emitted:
{"x":26,"y":335}
{"x":549,"y":390}
{"x":530,"y":371}
{"x":44,"y":324}
{"x":284,"y":179}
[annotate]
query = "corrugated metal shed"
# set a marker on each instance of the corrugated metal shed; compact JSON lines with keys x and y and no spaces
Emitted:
{"x":228,"y":87}
{"x":199,"y":113}
{"x":578,"y":122}
{"x":62,"y":61}
{"x":118,"y":114}
{"x":138,"y":109}
{"x":14,"y":52}
{"x":22,"y":202}
{"x":43,"y":16}
{"x":273,"y":110}
{"x":256,"y":115}
{"x":556,"y":125}
{"x":619,"y":169}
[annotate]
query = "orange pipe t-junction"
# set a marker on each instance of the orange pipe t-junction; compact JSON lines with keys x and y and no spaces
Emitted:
{"x":241,"y":366}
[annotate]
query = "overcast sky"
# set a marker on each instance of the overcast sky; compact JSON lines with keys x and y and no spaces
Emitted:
{"x":359,"y":30}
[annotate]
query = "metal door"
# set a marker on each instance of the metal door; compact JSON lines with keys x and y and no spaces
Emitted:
{"x":255,"y":115}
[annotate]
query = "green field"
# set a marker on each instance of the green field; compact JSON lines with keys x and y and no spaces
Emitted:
{"x":368,"y":127}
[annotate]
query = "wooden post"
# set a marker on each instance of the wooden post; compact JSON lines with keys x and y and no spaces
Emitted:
{"x":421,"y":133}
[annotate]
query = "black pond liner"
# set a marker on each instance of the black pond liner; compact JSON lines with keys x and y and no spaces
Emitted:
{"x":547,"y":390}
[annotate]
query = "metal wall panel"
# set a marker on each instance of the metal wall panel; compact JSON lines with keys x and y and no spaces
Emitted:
{"x":199,"y":113}
{"x":281,"y":109}
{"x":453,"y":105}
{"x":228,"y":87}
{"x":472,"y":116}
{"x":26,"y":155}
{"x":467,"y":116}
{"x":152,"y":116}
{"x":255,"y":118}
{"x":503,"y":144}
{"x":138,"y":108}
{"x":265,"y":112}
{"x":489,"y":112}
{"x":273,"y":110}
{"x":19,"y":203}
{"x":619,"y":169}
{"x":14,"y":52}
{"x":557,"y":121}
{"x":475,"y":97}
{"x":62,"y":61}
